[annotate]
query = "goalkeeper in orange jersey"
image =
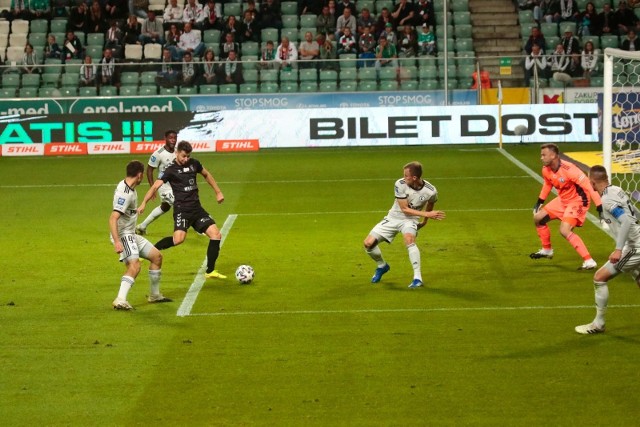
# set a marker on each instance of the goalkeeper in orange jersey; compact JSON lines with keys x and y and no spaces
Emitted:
{"x":570,"y":207}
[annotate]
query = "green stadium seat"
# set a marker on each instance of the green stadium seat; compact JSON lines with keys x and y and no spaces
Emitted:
{"x":289,"y":87}
{"x":289,"y":76}
{"x":30,"y":80}
{"x":328,"y":86}
{"x":609,"y":41}
{"x":381,"y":4}
{"x":250,"y":75}
{"x":8,"y":93}
{"x":48,"y":92}
{"x":408,"y":73}
{"x":38,"y":40}
{"x":168,"y":91}
{"x":88,"y":91}
{"x":188,"y":90}
{"x":549,"y":29}
{"x":309,"y":87}
{"x":308,"y":75}
{"x":289,"y":8}
{"x":291,"y":33}
{"x":148,"y":78}
{"x":459,"y":5}
{"x":290,"y":21}
{"x":367,"y":74}
{"x":69,"y":80}
{"x":234,"y":9}
{"x":330,"y":75}
{"x":11,"y":80}
{"x":68,"y":92}
{"x":208,"y":89}
{"x":95,"y":52}
{"x":387,"y":73}
{"x":463,"y":31}
{"x":309,"y":20}
{"x":463,"y":45}
{"x":58,"y":25}
{"x":249,"y":88}
{"x":367,"y":86}
{"x":270,"y":34}
{"x":409,"y":85}
{"x":347,"y":74}
{"x":228,"y":88}
{"x":28,"y":92}
{"x":269,"y":87}
{"x":269,"y":76}
{"x":388,"y":85}
{"x":108,"y":91}
{"x":366,"y":4}
{"x":50,"y":80}
{"x":597,"y":82}
{"x":348,"y":60}
{"x":348,"y":85}
{"x":211,"y":37}
{"x":129,"y":78}
{"x":40,"y":26}
{"x":462,"y":18}
{"x":72,"y":66}
{"x":250,"y":50}
{"x":128,"y":91}
{"x":148,"y":89}
{"x":525,"y":29}
{"x":95,"y":39}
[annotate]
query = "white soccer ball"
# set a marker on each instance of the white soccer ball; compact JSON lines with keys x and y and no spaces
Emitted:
{"x":245,"y":274}
{"x":620,"y":143}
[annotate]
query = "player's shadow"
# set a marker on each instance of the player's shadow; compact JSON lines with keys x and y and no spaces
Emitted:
{"x":464,"y":294}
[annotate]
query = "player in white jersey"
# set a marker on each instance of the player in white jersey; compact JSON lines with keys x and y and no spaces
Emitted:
{"x":415,"y":199}
{"x":160,"y":159}
{"x":131,"y":248}
{"x":623,"y":220}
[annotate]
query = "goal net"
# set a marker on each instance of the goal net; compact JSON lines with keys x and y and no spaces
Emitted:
{"x":621,"y":119}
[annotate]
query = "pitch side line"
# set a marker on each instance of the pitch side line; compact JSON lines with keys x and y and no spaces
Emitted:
{"x":198,"y":281}
{"x":408,"y":310}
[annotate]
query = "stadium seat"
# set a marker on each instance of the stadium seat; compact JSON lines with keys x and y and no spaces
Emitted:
{"x":249,"y":88}
{"x":609,"y":41}
{"x":129,"y":78}
{"x":289,"y":87}
{"x":459,"y":5}
{"x":31,"y":80}
{"x":289,"y":76}
{"x":8,"y":93}
{"x":251,"y":75}
{"x":268,"y":87}
{"x":270,"y":34}
{"x":69,"y":80}
{"x":11,"y":80}
{"x":58,"y":25}
{"x":95,"y":39}
{"x":148,"y":89}
{"x":234,"y":9}
{"x":108,"y":91}
{"x":327,"y":86}
{"x":88,"y":91}
{"x":128,"y":90}
{"x":250,"y":50}
{"x":409,"y":85}
{"x":211,"y":37}
{"x":228,"y":89}
{"x":309,"y":20}
{"x":168,"y":91}
{"x":291,"y":33}
{"x":28,"y":92}
{"x":309,"y":87}
{"x":289,"y":7}
{"x":463,"y":45}
{"x":308,"y":75}
{"x":462,"y":18}
{"x":95,"y":52}
{"x":188,"y":90}
{"x":368,"y":85}
{"x":20,"y":26}
{"x":270,"y":76}
{"x":381,"y":4}
{"x":38,"y":40}
{"x":290,"y":21}
{"x":5,"y":27}
{"x":208,"y":89}
{"x":133,"y":52}
{"x":17,"y":39}
{"x":408,"y":74}
{"x":367,"y":74}
{"x":463,"y":31}
{"x":48,"y":92}
{"x":148,"y":78}
{"x":331,"y":76}
{"x":348,"y":60}
{"x":347,"y":74}
{"x":388,"y":85}
{"x":50,"y":79}
{"x":68,"y":92}
{"x":348,"y":85}
{"x":387,"y":73}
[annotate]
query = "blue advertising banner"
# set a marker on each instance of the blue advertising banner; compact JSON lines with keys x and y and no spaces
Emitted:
{"x":625,"y":115}
{"x":331,"y":100}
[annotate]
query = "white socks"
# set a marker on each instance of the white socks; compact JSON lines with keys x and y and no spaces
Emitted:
{"x":602,"y":298}
{"x":376,"y":254}
{"x":155,"y":214}
{"x":154,"y":281}
{"x":125,"y":284}
{"x":414,"y":258}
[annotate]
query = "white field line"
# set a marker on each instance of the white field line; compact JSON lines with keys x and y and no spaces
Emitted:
{"x":595,"y":221}
{"x":198,"y":281}
{"x":408,"y":310}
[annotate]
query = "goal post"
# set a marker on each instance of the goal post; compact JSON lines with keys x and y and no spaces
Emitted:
{"x":621,"y":119}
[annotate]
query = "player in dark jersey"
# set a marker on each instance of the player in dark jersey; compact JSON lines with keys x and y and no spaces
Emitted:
{"x":187,"y":210}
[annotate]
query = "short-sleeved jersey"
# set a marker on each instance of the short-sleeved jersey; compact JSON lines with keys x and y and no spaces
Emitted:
{"x":125,"y":201}
{"x":184,"y":183}
{"x":572,"y":184}
{"x":417,"y":199}
{"x":615,"y":205}
{"x":161,"y":159}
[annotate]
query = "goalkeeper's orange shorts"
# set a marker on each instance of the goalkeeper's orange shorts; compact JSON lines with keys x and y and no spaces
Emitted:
{"x":572,"y":213}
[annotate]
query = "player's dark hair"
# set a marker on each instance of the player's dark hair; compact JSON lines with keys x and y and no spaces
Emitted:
{"x":134,"y":167}
{"x":184,"y":146}
{"x":598,"y":173}
{"x":169,"y":132}
{"x":415,"y":169}
{"x":552,"y":147}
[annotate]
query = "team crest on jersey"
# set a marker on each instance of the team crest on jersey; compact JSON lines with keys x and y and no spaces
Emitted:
{"x":120,"y":201}
{"x":185,"y":169}
{"x":562,"y":180}
{"x":153,"y":158}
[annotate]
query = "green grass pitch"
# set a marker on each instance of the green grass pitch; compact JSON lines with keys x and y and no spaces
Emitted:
{"x":488,"y":341}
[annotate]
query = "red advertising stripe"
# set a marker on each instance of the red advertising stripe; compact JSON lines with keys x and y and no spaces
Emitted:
{"x":237,"y":145}
{"x":64,"y":149}
{"x":145,"y":147}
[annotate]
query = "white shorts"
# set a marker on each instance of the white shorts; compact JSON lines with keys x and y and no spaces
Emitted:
{"x":134,"y":247}
{"x":166,"y":193}
{"x":629,"y":262}
{"x":388,"y":228}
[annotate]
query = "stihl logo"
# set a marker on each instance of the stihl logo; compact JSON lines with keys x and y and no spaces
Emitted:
{"x":145,"y":147}
{"x":239,"y":145}
{"x":23,"y":149}
{"x":60,"y":149}
{"x":108,"y":148}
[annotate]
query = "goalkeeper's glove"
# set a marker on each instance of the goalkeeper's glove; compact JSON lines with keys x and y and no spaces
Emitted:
{"x":599,"y":209}
{"x":537,"y":206}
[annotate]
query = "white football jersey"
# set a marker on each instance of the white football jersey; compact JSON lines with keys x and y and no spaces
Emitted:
{"x":160,"y":159}
{"x":416,"y":199}
{"x":125,"y":201}
{"x":616,"y":204}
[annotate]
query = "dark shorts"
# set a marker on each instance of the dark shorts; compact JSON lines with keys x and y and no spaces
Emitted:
{"x":197,"y":218}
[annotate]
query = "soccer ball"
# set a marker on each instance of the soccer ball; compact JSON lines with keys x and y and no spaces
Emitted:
{"x":245,"y":274}
{"x":620,"y":143}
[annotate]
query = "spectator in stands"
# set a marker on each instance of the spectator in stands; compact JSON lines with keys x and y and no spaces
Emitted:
{"x":558,"y":61}
{"x":346,"y":20}
{"x":209,"y":67}
{"x":190,"y":41}
{"x":328,"y":55}
{"x":96,"y":20}
{"x":575,"y":66}
{"x":625,"y":18}
{"x":381,"y":24}
{"x":424,"y":14}
{"x":107,"y":69}
{"x":587,"y":21}
{"x":535,"y":65}
{"x":231,"y":25}
{"x":251,"y":7}
{"x":172,"y":14}
{"x":402,"y":14}
{"x":19,"y":9}
{"x":286,"y":54}
{"x":116,"y":9}
{"x":426,"y":41}
{"x":139,"y":8}
{"x":168,"y":74}
{"x":569,"y":42}
{"x":78,"y":16}
{"x":30,"y":60}
{"x":231,"y":70}
{"x":367,"y":47}
{"x":212,"y":16}
{"x":389,"y":34}
{"x":341,"y":5}
{"x":52,"y":48}
{"x":188,"y":74}
{"x":589,"y":60}
{"x":309,"y":51}
{"x":60,"y":8}
{"x":536,"y":37}
{"x":229,"y":45}
{"x":173,"y":36}
{"x":113,"y":36}
{"x":193,"y":13}
{"x":271,"y":14}
{"x":607,"y":23}
{"x":386,"y":55}
{"x":88,"y":72}
{"x":268,"y":57}
{"x":326,"y":23}
{"x":40,"y":9}
{"x":310,"y":7}
{"x":72,"y":47}
{"x":332,"y":9}
{"x":547,"y":11}
{"x":569,"y":11}
{"x":347,"y":42}
{"x":249,"y":28}
{"x":630,"y":43}
{"x":407,"y":43}
{"x":132,"y":30}
{"x":365,"y":20}
{"x":151,"y":30}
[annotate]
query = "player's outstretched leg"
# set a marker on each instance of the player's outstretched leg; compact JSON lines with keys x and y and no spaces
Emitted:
{"x":601,"y":293}
{"x":380,"y":271}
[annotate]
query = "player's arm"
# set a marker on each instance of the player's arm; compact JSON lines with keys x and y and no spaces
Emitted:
{"x":212,"y":182}
{"x":584,"y":183}
{"x":404,"y":207}
{"x":150,"y":179}
{"x":150,"y":194}
{"x":113,"y":228}
{"x":427,"y":208}
{"x":544,"y":192}
{"x":626,"y":221}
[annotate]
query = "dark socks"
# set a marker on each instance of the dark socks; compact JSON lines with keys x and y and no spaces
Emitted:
{"x":212,"y":254}
{"x":165,"y":243}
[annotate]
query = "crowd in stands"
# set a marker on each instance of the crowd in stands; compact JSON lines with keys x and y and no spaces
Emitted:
{"x":565,"y":39}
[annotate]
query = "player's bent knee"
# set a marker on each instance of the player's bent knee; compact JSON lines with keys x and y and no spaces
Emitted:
{"x":133,"y":267}
{"x":166,"y":207}
{"x":543,"y":221}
